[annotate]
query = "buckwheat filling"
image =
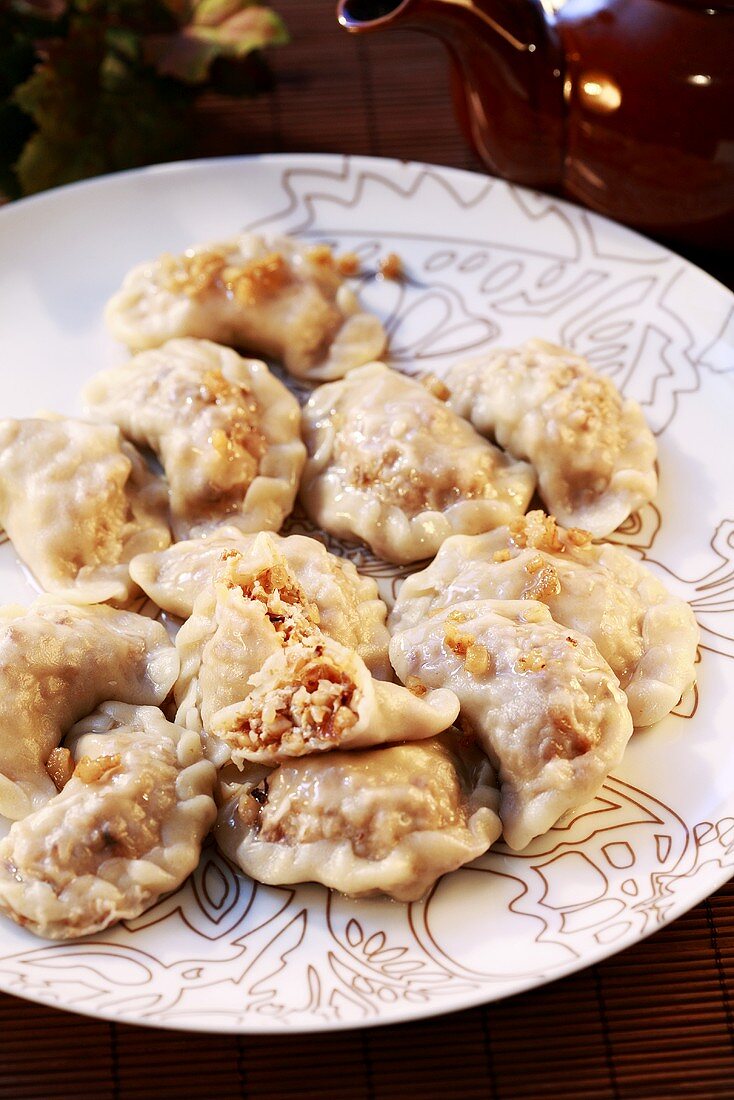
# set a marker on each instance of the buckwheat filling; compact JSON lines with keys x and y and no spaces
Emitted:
{"x":289,"y":609}
{"x":307,"y":705}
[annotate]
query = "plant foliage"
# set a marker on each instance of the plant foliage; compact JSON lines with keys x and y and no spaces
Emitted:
{"x":92,"y":86}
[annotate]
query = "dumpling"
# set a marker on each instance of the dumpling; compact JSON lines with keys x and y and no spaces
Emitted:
{"x":382,"y":821}
{"x":127,"y":827}
{"x":57,"y":663}
{"x":255,"y":632}
{"x":591,"y":448}
{"x":349,"y":606}
{"x":542,"y":701}
{"x":646,"y":634}
{"x":280,"y":298}
{"x":250,"y":609}
{"x":391,"y":465}
{"x":226,"y":431}
{"x":77,"y":503}
{"x":315,"y":695}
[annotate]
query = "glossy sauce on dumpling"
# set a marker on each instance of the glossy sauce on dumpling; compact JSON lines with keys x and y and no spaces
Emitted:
{"x":591,"y":448}
{"x":539,"y":697}
{"x":126,"y":828}
{"x":276,"y":297}
{"x":226,"y":431}
{"x":389,"y":820}
{"x":78,"y":502}
{"x":390,"y":464}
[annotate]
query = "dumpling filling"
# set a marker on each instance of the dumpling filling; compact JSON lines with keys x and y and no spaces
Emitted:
{"x":288,"y":608}
{"x":316,"y":695}
{"x":344,"y":604}
{"x":307,"y":706}
{"x":261,"y":679}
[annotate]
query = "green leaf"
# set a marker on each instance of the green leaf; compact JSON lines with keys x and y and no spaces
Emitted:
{"x":48,"y":162}
{"x":124,"y":42}
{"x":210,"y":13}
{"x":189,"y":54}
{"x":110,"y":84}
{"x":252,"y":28}
{"x":180,"y":56}
{"x":97,"y":110}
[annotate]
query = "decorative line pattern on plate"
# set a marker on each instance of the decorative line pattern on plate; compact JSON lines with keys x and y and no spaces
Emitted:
{"x":610,"y":871}
{"x":623,"y":325}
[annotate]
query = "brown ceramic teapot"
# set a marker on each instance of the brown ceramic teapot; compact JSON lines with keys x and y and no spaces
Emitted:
{"x":626,"y":106}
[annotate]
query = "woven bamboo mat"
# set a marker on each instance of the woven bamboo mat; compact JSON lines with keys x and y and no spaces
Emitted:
{"x":653,"y":1022}
{"x":656,"y":1021}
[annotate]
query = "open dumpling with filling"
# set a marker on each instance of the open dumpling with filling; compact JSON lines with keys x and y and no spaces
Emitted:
{"x":315,"y":695}
{"x":78,"y":502}
{"x":280,"y":298}
{"x":646,"y":634}
{"x":591,"y":448}
{"x":349,"y":606}
{"x":226,"y":431}
{"x":237,"y":623}
{"x":127,"y":827}
{"x":57,"y":663}
{"x":391,"y":465}
{"x":261,"y":680}
{"x":542,"y":701}
{"x":382,"y":821}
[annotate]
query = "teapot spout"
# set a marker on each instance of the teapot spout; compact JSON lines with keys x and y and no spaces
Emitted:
{"x":507,"y":75}
{"x":363,"y":15}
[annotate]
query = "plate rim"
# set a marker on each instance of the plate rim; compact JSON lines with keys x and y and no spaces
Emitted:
{"x":199,"y":163}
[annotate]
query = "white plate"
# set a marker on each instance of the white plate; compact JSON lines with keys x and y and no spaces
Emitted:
{"x":487,"y":262}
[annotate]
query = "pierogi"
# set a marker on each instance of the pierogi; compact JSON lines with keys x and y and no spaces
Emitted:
{"x":349,"y":606}
{"x":526,"y":652}
{"x":127,"y":826}
{"x":78,"y":502}
{"x":261,"y":680}
{"x":383,"y":821}
{"x":591,"y":448}
{"x":281,"y":298}
{"x":391,"y":465}
{"x":57,"y":663}
{"x":646,"y":634}
{"x":225,"y":430}
{"x":540,"y":698}
{"x":315,"y":695}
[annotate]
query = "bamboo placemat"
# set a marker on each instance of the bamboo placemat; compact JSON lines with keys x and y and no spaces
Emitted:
{"x":656,"y":1021}
{"x":652,"y":1022}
